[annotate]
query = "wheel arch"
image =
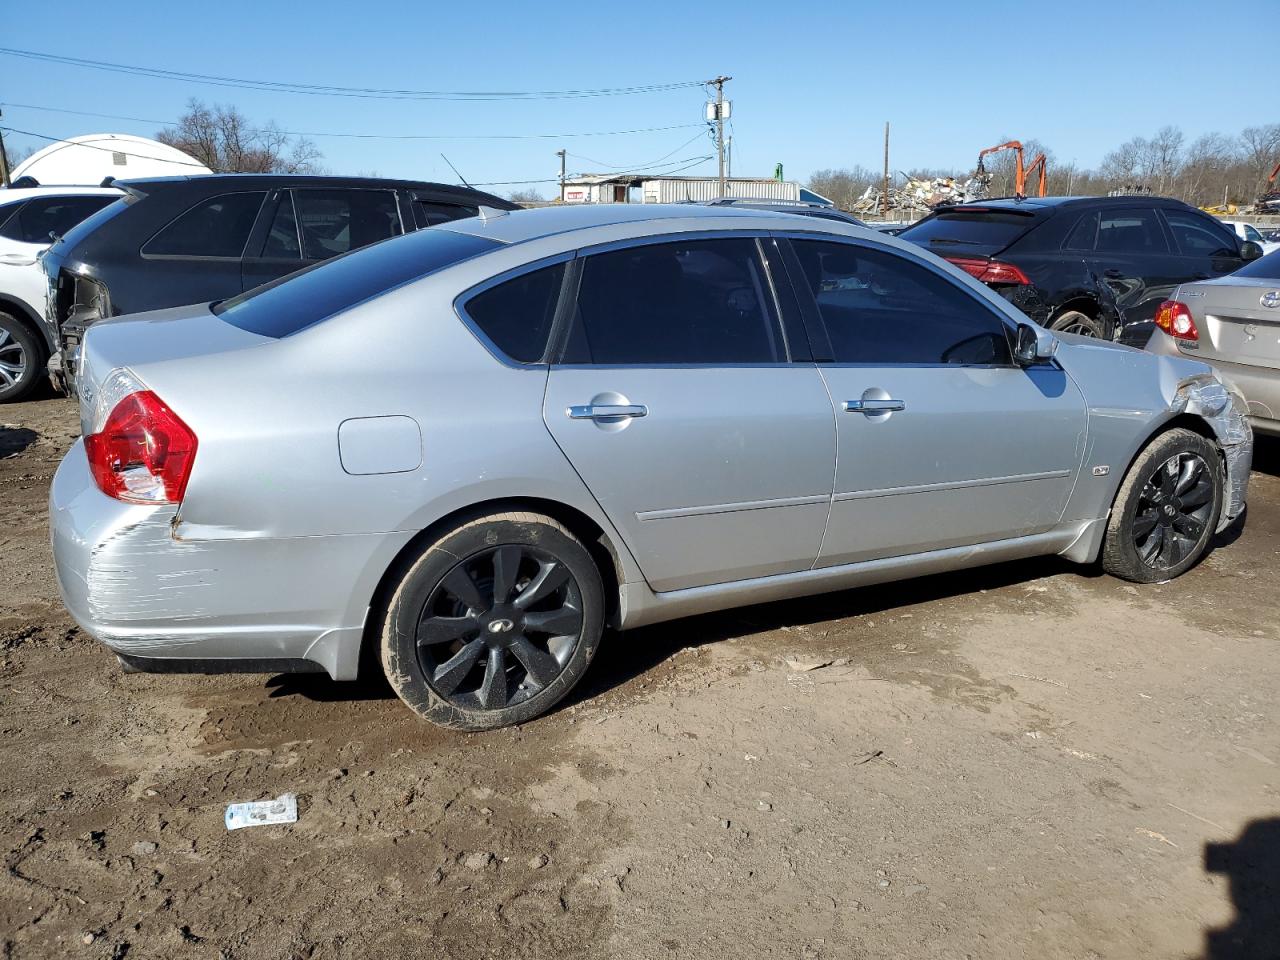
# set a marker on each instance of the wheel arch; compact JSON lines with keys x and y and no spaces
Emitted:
{"x":593,"y":536}
{"x":24,"y":314}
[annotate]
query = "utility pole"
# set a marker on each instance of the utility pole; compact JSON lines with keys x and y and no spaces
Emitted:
{"x":884,"y":193}
{"x":560,"y":154}
{"x":721,"y":110}
{"x":4,"y":160}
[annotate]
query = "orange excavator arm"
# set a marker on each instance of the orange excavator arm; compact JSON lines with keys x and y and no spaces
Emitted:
{"x":1019,"y":175}
{"x":1272,"y":179}
{"x":1042,"y":184}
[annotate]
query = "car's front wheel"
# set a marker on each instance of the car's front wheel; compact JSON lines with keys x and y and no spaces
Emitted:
{"x":494,"y":623}
{"x":1167,"y":509}
{"x":21,"y":354}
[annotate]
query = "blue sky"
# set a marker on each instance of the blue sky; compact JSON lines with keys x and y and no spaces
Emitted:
{"x":813,"y":83}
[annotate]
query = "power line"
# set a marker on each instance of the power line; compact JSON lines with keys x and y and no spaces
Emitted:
{"x":650,"y":163}
{"x":375,"y":136}
{"x":323,"y":90}
{"x":519,"y":183}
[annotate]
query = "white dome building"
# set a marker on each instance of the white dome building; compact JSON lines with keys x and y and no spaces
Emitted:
{"x":88,"y":160}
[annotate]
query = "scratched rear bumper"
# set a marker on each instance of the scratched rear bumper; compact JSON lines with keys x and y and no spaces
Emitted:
{"x":131,"y":585}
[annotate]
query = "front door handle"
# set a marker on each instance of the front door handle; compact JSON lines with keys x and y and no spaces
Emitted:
{"x":874,"y":406}
{"x":607,"y":411}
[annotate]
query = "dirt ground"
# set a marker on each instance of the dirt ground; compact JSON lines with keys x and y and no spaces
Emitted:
{"x":1025,"y":760}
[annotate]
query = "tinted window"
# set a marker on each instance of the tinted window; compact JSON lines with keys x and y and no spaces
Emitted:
{"x":1083,"y":234}
{"x":1130,"y":231}
{"x":1200,"y":236}
{"x":985,"y":231}
{"x":1265,"y":268}
{"x":429,"y":214}
{"x":50,"y":215}
{"x":1251,"y":233}
{"x":282,"y":238}
{"x":337,"y":221}
{"x":217,"y":227}
{"x":516,"y":315}
{"x":879,"y":307}
{"x":700,"y":301}
{"x":301,"y":299}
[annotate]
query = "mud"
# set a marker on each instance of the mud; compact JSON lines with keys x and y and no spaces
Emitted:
{"x":1026,"y":760}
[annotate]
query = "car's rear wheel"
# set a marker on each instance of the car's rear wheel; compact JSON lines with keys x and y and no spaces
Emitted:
{"x":1167,"y":509}
{"x":20,"y":356}
{"x":494,"y":623}
{"x":1075,"y":321}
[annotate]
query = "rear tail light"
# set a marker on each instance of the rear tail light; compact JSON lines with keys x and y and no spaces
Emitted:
{"x":1175,"y":319}
{"x":143,"y":452}
{"x":991,"y":271}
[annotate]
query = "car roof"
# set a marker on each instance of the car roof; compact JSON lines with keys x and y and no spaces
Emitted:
{"x":1036,"y":204}
{"x":14,"y":194}
{"x":276,"y":179}
{"x":519,"y":226}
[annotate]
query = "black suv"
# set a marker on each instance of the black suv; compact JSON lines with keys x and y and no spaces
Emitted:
{"x":173,"y":241}
{"x":1098,"y":266}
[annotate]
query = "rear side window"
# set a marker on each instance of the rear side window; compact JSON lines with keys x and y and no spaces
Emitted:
{"x":217,"y":227}
{"x":430,"y":214}
{"x":516,"y":315}
{"x":302,"y":299}
{"x":338,"y":221}
{"x":694,"y":302}
{"x":981,"y":230}
{"x":1130,"y":231}
{"x":282,"y":238}
{"x":1083,"y":234}
{"x":1200,"y":236}
{"x":45,"y":216}
{"x":879,"y":307}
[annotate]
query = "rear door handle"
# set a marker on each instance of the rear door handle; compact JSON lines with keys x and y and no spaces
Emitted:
{"x":874,"y":406}
{"x":607,"y":411}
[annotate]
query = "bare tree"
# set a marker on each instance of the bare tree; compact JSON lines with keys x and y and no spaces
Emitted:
{"x":843,"y":187}
{"x":1165,"y":157}
{"x":224,"y":140}
{"x":1261,"y":149}
{"x":526,"y":196}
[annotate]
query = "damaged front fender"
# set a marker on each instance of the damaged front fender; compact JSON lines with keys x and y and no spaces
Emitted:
{"x":1225,"y":410}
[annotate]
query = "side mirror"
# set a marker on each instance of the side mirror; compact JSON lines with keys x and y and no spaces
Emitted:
{"x":1033,"y":345}
{"x":1250,"y":250}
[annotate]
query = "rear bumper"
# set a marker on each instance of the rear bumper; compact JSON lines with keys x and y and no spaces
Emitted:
{"x":209,"y":605}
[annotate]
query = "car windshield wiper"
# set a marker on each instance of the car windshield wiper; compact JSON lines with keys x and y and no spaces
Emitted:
{"x":971,"y":243}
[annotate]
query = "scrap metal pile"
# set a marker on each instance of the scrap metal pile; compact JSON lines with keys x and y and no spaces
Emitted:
{"x":917,"y":193}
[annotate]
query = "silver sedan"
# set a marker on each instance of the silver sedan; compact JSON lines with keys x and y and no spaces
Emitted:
{"x":1233,"y":324}
{"x":466,"y":452}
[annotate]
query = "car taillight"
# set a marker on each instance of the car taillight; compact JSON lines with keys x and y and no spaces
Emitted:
{"x":991,"y":271}
{"x":1175,"y":319}
{"x":143,"y":453}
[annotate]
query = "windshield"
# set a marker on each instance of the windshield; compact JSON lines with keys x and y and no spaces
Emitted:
{"x":1264,"y":268}
{"x":1250,"y":233}
{"x":303,"y":299}
{"x":89,"y":224}
{"x":976,"y":231}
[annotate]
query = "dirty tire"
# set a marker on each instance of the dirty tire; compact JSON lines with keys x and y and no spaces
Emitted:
{"x":1183,"y":524}
{"x":21,"y":359}
{"x":457,"y":586}
{"x":1073,"y":321}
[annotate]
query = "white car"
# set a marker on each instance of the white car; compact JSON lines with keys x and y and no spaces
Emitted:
{"x":29,"y":217}
{"x":1247,"y":231}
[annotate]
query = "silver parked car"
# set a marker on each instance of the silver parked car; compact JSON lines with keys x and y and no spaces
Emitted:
{"x":468,"y":450}
{"x":1233,"y":324}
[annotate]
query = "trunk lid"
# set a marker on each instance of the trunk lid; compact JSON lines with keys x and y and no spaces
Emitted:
{"x":144,"y":342}
{"x":1234,"y":324}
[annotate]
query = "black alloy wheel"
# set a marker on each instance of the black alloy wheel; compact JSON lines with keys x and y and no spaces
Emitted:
{"x":1174,"y":509}
{"x":499,"y":627}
